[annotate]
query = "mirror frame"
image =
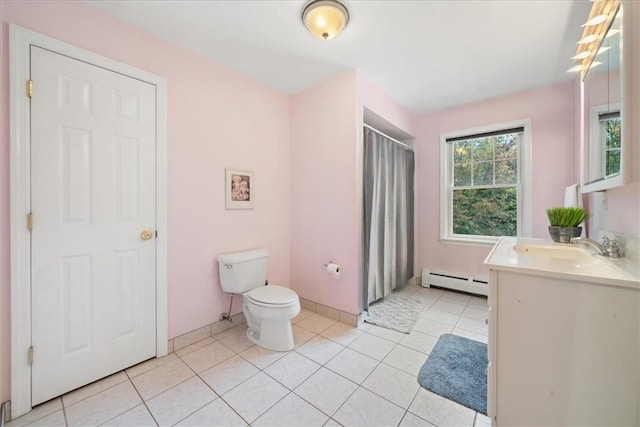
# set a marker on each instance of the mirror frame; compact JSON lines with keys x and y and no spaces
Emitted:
{"x":623,"y":177}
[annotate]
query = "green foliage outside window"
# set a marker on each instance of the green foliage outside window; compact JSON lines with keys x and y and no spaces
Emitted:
{"x":612,"y":146}
{"x":485,"y":175}
{"x":485,"y":212}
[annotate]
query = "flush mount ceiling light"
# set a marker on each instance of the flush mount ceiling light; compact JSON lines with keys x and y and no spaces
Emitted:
{"x":325,"y":19}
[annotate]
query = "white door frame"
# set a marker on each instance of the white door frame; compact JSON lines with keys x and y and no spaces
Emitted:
{"x":20,"y":40}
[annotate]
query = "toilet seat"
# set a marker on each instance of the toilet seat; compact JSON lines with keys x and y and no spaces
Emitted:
{"x":272,"y":296}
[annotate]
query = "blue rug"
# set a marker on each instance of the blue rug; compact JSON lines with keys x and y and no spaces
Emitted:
{"x":456,"y":369}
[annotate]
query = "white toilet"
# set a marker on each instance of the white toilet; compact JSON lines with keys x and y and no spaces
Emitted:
{"x":268,"y":309}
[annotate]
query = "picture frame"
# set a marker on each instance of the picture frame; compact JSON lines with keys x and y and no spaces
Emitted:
{"x":240,"y":189}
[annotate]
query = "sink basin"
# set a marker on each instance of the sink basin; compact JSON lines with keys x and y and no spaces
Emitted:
{"x":558,"y":251}
{"x":570,"y":261}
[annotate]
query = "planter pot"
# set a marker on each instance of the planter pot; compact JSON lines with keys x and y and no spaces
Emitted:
{"x":564,"y":234}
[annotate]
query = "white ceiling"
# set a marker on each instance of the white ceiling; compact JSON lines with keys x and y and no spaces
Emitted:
{"x":426,"y":54}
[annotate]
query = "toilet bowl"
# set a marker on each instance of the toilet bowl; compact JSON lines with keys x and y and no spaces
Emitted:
{"x":268,"y":311}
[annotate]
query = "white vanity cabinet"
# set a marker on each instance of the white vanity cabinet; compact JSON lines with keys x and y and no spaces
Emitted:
{"x":564,"y":347}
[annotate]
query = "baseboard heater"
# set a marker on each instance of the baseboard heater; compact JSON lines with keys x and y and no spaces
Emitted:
{"x":470,"y":284}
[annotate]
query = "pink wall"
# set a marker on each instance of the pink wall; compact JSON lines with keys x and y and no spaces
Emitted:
{"x":326,"y":184}
{"x":325,"y":225}
{"x":216,"y":119}
{"x":621,"y":213}
{"x":600,"y":88}
{"x":551,"y":110}
{"x":375,"y":99}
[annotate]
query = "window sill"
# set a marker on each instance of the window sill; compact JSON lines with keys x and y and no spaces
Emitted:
{"x":461,"y":241}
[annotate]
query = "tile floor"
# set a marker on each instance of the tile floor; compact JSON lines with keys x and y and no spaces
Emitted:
{"x":336,"y":375}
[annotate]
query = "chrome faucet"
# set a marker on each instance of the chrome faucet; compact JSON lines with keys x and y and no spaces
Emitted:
{"x":608,"y":248}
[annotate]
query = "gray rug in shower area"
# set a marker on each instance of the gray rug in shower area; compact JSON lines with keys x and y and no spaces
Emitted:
{"x":394,"y":312}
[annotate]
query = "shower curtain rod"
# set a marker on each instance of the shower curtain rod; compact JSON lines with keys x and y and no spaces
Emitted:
{"x":404,"y":144}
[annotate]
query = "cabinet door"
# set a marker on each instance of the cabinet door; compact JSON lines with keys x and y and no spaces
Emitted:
{"x":567,"y":352}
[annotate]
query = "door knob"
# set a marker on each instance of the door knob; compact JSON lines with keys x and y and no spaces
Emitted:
{"x":146,"y":234}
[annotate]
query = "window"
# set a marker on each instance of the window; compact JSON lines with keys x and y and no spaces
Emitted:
{"x":485,"y":190}
{"x":610,"y":133}
{"x":604,"y":142}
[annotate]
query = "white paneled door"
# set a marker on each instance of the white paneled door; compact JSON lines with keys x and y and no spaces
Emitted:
{"x":93,"y":238}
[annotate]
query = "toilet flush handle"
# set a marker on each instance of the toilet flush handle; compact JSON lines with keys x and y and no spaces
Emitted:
{"x":228,"y":266}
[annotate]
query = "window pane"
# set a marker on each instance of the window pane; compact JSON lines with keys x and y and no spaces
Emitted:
{"x":485,"y":212}
{"x":462,"y":151}
{"x":613,"y":162}
{"x":612,"y":129}
{"x":506,"y":146}
{"x":462,"y":175}
{"x":482,"y":149}
{"x":483,"y":173}
{"x":612,"y":140}
{"x":507,"y":172}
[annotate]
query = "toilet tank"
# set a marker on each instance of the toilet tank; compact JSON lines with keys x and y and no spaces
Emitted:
{"x":242,"y":271}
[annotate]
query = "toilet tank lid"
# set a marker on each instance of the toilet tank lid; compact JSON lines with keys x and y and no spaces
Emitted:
{"x":235,"y":257}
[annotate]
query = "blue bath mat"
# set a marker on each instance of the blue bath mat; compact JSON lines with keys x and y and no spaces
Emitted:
{"x":456,"y":369}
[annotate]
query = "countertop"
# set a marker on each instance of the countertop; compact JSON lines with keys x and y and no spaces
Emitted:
{"x":591,"y":267}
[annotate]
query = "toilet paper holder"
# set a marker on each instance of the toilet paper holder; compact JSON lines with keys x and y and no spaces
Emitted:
{"x":327,"y":264}
{"x":333,"y":269}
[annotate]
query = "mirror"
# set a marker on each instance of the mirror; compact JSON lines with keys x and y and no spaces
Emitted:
{"x":602,"y":103}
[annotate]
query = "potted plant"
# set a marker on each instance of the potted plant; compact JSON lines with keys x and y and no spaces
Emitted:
{"x":564,"y":223}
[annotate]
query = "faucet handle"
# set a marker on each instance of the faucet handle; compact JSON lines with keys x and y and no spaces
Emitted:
{"x":606,"y":241}
{"x":612,"y":249}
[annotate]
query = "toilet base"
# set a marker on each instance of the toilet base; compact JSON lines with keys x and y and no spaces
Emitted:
{"x":270,"y":327}
{"x":275,"y":336}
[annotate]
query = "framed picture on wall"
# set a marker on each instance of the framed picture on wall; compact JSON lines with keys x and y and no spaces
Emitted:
{"x":239,"y":189}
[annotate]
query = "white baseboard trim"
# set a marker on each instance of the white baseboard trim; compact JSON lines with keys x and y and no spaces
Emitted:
{"x":325,"y":310}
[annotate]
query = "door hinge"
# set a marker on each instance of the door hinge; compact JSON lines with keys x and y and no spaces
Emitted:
{"x":30,"y":221}
{"x":30,"y":355}
{"x":30,"y":88}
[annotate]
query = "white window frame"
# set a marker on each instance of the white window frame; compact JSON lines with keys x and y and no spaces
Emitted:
{"x":524,"y":187}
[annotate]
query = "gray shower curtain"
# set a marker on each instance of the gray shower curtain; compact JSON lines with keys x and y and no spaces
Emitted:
{"x":388,"y":215}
